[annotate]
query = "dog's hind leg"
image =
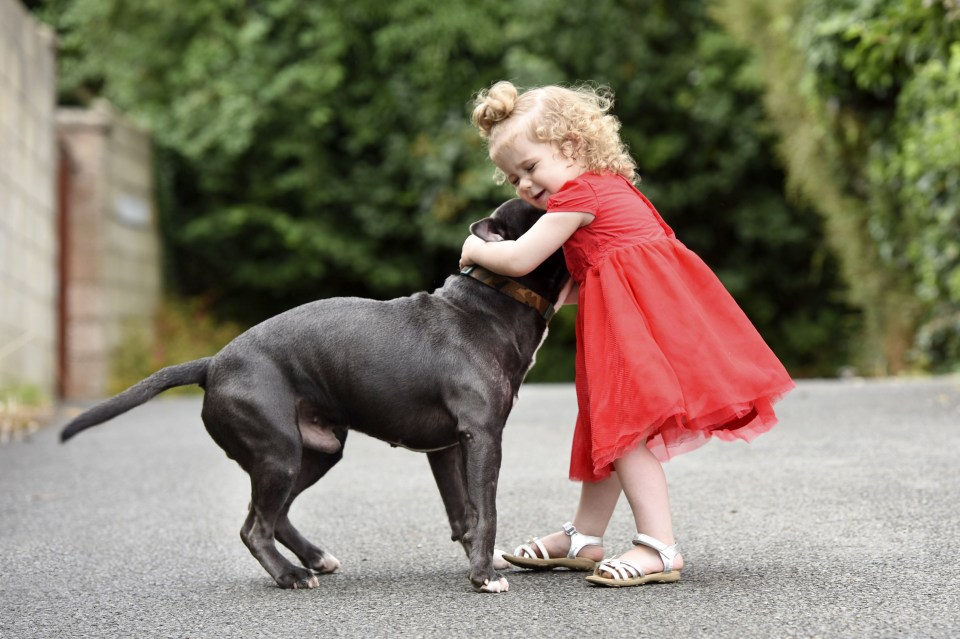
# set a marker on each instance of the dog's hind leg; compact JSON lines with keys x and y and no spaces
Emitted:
{"x":272,"y":485}
{"x":313,"y":466}
{"x":259,"y":431}
{"x":272,"y":456}
{"x":448,"y":471}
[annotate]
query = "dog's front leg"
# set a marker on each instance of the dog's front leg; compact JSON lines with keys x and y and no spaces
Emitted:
{"x":481,"y":455}
{"x":448,"y":471}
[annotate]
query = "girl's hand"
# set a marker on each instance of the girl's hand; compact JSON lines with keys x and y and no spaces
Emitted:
{"x":470,"y":247}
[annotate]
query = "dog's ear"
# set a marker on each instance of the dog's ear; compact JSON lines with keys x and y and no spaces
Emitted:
{"x":486,"y":230}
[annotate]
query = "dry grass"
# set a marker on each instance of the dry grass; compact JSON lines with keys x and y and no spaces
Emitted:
{"x":18,"y":420}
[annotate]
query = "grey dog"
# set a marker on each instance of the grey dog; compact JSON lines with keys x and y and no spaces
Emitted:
{"x":434,"y":372}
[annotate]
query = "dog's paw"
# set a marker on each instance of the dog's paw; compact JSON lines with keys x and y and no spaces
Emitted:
{"x":327,"y":564}
{"x":499,"y":563}
{"x":308,"y":583}
{"x":298,"y":579}
{"x":498,"y":585}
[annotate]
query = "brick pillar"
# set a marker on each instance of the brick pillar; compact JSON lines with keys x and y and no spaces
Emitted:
{"x":112,"y":272}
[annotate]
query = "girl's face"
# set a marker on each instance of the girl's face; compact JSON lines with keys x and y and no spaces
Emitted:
{"x":536,"y":170}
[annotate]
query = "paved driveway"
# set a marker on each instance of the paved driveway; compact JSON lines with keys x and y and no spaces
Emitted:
{"x":844,"y":521}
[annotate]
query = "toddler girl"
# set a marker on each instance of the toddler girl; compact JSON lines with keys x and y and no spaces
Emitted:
{"x":665,"y":357}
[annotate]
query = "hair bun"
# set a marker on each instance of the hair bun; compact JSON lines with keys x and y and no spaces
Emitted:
{"x":494,"y":105}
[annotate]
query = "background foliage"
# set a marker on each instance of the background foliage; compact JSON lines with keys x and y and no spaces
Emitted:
{"x":309,"y":149}
{"x":866,"y":97}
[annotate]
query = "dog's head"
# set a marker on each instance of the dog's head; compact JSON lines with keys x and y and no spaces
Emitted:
{"x":509,"y":221}
{"x":512,"y":219}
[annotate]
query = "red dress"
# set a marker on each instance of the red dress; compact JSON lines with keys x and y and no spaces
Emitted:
{"x":664,"y":354}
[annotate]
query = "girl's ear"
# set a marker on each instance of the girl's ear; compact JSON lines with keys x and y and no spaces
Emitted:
{"x":484,"y":229}
{"x":570,"y":145}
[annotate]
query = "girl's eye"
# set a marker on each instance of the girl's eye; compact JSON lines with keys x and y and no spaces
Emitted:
{"x":530,"y":168}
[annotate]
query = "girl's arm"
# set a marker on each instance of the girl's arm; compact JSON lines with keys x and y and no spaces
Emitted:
{"x":572,"y":293}
{"x":515,"y":258}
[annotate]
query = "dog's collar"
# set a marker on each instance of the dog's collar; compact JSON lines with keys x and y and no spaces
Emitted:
{"x":512,"y":289}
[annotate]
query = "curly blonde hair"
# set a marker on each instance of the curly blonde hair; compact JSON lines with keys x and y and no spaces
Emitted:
{"x":576,"y":119}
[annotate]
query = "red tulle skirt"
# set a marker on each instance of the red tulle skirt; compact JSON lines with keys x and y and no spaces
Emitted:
{"x":665,"y":357}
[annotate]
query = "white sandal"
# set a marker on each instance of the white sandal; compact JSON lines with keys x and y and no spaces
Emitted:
{"x":627,"y":573}
{"x":526,"y":557}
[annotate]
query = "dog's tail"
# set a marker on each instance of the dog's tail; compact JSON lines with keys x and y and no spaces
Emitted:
{"x":194,"y":372}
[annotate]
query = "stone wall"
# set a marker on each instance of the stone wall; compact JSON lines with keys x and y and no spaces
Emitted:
{"x":79,"y":244}
{"x":111,"y":245}
{"x":28,"y":216}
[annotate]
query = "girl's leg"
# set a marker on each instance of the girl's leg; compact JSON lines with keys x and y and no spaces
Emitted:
{"x":645,"y":485}
{"x":597,"y":503}
{"x":598,"y":499}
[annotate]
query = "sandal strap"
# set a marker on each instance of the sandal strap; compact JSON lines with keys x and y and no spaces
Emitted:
{"x":621,"y":569}
{"x":526,"y":550}
{"x":667,"y":553}
{"x":578,"y":540}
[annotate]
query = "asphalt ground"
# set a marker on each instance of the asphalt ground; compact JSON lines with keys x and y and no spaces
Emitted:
{"x":843,"y":521}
